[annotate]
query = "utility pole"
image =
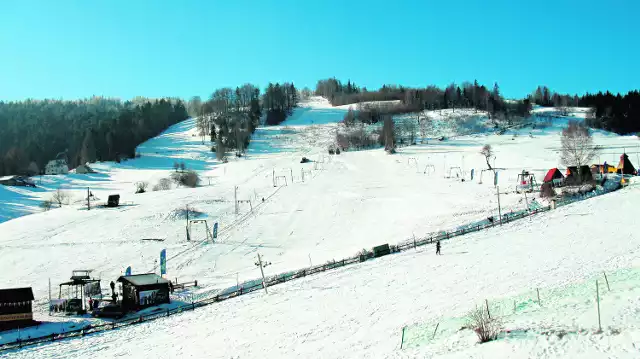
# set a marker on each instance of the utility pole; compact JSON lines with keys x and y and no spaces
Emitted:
{"x":499,"y":209}
{"x":264,"y":282}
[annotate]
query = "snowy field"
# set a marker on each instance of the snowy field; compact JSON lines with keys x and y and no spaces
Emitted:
{"x":346,"y":203}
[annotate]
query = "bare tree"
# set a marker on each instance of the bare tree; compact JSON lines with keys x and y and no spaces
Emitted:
{"x":46,"y":205}
{"x":577,"y":145}
{"x":487,"y":152}
{"x":483,"y":325}
{"x":163,"y":185}
{"x":141,"y":187}
{"x":60,"y":197}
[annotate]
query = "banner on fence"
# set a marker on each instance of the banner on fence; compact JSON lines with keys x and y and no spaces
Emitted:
{"x":163,"y":262}
{"x":215,"y":230}
{"x":127,"y":272}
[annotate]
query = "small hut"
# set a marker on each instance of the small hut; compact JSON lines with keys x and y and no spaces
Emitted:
{"x":16,"y":308}
{"x":602,"y":169}
{"x":575,"y":177}
{"x":625,"y":167}
{"x":554,"y":176}
{"x":140,"y":291}
{"x":113,"y":200}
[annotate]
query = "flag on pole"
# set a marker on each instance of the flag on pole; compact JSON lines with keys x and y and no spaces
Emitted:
{"x":127,"y":272}
{"x":215,"y":230}
{"x":163,"y":262}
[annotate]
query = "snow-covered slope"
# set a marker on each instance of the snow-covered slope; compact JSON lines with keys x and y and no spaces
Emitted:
{"x":360,"y":311}
{"x":345,"y":203}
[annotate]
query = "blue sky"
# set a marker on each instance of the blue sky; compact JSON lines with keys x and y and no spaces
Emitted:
{"x":126,"y":48}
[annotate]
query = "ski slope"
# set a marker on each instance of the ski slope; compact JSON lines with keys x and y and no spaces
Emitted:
{"x":346,"y":203}
{"x":360,"y":311}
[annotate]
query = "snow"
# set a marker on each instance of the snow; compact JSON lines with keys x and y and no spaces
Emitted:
{"x":346,"y":203}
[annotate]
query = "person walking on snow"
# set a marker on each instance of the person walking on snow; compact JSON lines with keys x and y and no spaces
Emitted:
{"x":438,"y":248}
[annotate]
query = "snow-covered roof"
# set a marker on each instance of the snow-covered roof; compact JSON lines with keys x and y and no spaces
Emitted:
{"x":143,"y":279}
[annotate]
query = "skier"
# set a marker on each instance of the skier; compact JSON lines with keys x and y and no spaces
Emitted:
{"x":438,"y":248}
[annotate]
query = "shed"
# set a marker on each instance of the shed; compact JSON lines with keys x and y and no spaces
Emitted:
{"x":141,"y":291}
{"x":602,"y":169}
{"x":16,"y":308}
{"x":113,"y":200}
{"x":554,"y":176}
{"x":624,"y":166}
{"x":573,"y":178}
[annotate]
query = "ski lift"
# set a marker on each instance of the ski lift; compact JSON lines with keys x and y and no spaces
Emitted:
{"x":526,"y":182}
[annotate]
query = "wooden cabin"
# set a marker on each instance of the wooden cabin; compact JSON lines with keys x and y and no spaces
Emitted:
{"x":16,"y":308}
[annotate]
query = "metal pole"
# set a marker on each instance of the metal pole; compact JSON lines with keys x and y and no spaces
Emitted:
{"x":499,"y":209}
{"x":486,"y":301}
{"x":598,"y":301}
{"x":235,"y":198}
{"x":264,"y":282}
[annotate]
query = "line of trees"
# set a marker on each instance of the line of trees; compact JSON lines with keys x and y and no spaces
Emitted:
{"x":95,"y":129}
{"x":229,"y":117}
{"x":617,"y":113}
{"x":470,"y":95}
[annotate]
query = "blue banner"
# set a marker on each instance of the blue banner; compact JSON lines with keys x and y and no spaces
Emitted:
{"x":472,"y":173}
{"x":215,"y":230}
{"x":163,"y":262}
{"x":127,"y":272}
